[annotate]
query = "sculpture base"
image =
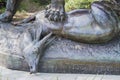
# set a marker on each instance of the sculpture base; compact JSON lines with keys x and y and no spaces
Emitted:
{"x":74,"y":66}
{"x":66,"y":56}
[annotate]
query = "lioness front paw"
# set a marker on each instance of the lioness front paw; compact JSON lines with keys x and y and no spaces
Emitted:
{"x":55,"y":13}
{"x":6,"y":16}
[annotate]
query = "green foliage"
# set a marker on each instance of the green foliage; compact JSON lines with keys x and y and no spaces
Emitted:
{"x":32,"y":5}
{"x":77,"y":4}
{"x":2,"y":5}
{"x":35,"y":5}
{"x":70,"y":4}
{"x":41,"y":2}
{"x":2,"y":0}
{"x":2,"y":10}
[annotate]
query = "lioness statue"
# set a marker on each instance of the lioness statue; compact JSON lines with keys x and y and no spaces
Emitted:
{"x":96,"y":25}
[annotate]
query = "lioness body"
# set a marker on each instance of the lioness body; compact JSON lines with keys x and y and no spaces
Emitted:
{"x":99,"y":24}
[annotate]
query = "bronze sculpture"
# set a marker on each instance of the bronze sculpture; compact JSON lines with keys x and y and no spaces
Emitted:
{"x":85,"y":25}
{"x":96,"y":25}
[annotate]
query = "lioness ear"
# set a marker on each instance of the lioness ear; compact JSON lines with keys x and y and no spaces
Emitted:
{"x":44,"y":40}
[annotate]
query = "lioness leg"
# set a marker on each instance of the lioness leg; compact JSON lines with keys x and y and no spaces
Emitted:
{"x":11,"y":8}
{"x":56,"y":11}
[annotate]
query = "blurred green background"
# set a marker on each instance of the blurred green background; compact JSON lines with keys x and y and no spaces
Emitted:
{"x":36,"y":5}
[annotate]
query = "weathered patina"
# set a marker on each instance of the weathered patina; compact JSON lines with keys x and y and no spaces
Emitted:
{"x":96,"y":25}
{"x":99,"y":24}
